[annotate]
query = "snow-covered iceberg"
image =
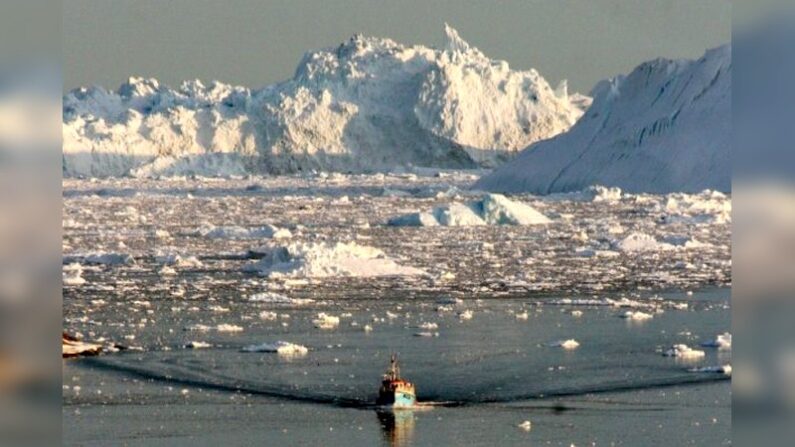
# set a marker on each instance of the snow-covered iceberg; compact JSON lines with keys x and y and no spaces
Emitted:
{"x":664,"y":127}
{"x":322,"y":260}
{"x":367,"y":104}
{"x":492,"y":209}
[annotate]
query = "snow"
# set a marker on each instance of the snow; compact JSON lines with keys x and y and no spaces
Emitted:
{"x":368,"y":104}
{"x":722,"y":341}
{"x":323,"y":260}
{"x":665,"y":127}
{"x":683,"y":351}
{"x":280,"y":347}
{"x":492,"y":209}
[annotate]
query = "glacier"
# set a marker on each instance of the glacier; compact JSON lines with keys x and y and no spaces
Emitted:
{"x":665,"y":127}
{"x":369,"y":104}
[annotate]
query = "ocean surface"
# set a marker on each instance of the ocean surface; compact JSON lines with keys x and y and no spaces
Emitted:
{"x":479,"y":334}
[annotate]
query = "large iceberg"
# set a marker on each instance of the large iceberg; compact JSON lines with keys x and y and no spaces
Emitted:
{"x":665,"y":127}
{"x":368,"y":104}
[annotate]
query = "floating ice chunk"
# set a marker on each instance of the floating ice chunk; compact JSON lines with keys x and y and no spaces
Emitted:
{"x":197,"y":345}
{"x":683,"y":351}
{"x":522,"y":316}
{"x":640,"y":242}
{"x":636,"y":315}
{"x":236,"y":232}
{"x":426,"y":334}
{"x":428,"y":326}
{"x":276,"y":298}
{"x":73,"y":275}
{"x":267,"y":315}
{"x":228,"y":328}
{"x":325,"y":321}
{"x":323,"y":260}
{"x":723,"y":369}
{"x":280,"y":347}
{"x":493,"y":209}
{"x":448,"y":300}
{"x":166,"y":271}
{"x":367,"y":328}
{"x":177,"y":260}
{"x":100,"y":258}
{"x":526,"y":425}
{"x":576,"y":313}
{"x":414,"y":220}
{"x":465,"y":315}
{"x":496,"y":209}
{"x":566,"y":344}
{"x":722,"y":341}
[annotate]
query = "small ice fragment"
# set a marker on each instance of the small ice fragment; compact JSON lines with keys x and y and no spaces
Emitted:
{"x":683,"y":351}
{"x":465,"y":315}
{"x":280,"y":347}
{"x":636,"y":316}
{"x":325,"y":321}
{"x":526,"y":425}
{"x":723,"y":342}
{"x":197,"y":345}
{"x":566,"y":344}
{"x":521,"y":316}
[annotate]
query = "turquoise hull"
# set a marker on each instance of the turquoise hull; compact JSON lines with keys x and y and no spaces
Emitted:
{"x":397,"y":399}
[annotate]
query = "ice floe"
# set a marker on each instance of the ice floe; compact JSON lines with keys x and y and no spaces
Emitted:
{"x":636,"y":315}
{"x":325,"y":321}
{"x":566,"y":344}
{"x":237,"y":232}
{"x":683,"y":351}
{"x":722,"y":341}
{"x":280,"y":347}
{"x":722,"y":369}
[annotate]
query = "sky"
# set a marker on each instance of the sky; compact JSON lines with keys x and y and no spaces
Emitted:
{"x":256,"y":43}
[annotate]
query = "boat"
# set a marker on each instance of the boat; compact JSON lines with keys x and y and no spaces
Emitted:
{"x":396,"y":392}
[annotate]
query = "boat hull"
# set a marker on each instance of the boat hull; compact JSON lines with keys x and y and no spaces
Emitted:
{"x":397,"y":399}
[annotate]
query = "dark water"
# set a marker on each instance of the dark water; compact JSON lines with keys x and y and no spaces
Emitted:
{"x":484,"y":376}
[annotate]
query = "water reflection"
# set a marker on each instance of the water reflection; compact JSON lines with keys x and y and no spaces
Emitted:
{"x":397,"y":426}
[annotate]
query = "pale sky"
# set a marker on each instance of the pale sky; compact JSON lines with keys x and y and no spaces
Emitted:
{"x":255,"y":43}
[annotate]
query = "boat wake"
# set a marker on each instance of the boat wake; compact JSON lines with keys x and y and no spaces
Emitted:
{"x":428,"y":400}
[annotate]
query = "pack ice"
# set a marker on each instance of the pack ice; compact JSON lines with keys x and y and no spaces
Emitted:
{"x":368,"y":104}
{"x":492,"y":209}
{"x":665,"y":127}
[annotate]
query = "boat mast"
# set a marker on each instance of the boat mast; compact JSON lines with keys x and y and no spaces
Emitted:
{"x":394,"y":369}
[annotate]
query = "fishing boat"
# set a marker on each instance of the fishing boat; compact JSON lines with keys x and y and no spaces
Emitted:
{"x":396,"y":392}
